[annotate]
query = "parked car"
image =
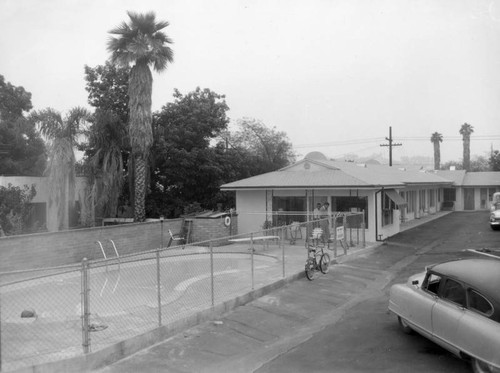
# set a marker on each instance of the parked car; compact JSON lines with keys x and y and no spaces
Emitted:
{"x":455,"y":304}
{"x":495,"y":211}
{"x":495,"y":219}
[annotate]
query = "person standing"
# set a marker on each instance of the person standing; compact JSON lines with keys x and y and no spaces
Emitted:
{"x":316,"y":215}
{"x":325,"y":221}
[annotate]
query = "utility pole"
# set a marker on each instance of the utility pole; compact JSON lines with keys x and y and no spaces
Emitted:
{"x":390,"y":145}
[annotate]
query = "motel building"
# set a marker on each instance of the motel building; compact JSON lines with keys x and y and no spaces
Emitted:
{"x":388,"y":196}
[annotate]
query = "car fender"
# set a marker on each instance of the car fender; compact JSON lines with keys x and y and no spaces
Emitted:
{"x":479,"y":338}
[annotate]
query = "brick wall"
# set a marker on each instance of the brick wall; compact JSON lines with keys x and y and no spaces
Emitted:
{"x":205,"y":229}
{"x":68,"y":247}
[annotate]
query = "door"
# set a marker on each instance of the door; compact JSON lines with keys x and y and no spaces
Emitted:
{"x":447,"y":313}
{"x":469,"y":199}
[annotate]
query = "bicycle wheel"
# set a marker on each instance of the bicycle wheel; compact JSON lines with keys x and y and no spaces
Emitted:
{"x":324,"y":263}
{"x":310,"y":269}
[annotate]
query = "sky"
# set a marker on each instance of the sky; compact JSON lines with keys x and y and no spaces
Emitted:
{"x":334,"y":75}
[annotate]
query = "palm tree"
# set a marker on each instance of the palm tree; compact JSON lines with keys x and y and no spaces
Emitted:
{"x":140,"y":43}
{"x":106,"y":138}
{"x":436,"y":138}
{"x":61,"y":135}
{"x":466,"y":131}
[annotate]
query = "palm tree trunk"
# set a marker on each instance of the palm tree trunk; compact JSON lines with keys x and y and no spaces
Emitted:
{"x":140,"y":188}
{"x":467,"y":153}
{"x":140,"y":131}
{"x":437,"y":156}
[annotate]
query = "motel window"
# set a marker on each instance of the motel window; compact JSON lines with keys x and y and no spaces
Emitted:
{"x":288,"y":210}
{"x":352,"y":204}
{"x":388,"y":207}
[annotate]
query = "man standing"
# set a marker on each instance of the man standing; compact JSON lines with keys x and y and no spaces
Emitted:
{"x":317,"y":215}
{"x":325,"y":221}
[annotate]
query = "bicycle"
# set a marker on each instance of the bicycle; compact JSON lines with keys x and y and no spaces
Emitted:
{"x":317,"y":259}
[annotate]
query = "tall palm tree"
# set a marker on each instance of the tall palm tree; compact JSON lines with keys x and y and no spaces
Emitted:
{"x":140,"y":43}
{"x":436,"y":138}
{"x":61,"y":135}
{"x":466,"y":131}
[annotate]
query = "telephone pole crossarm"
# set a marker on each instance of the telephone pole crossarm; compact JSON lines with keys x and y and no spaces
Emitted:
{"x":390,"y":145}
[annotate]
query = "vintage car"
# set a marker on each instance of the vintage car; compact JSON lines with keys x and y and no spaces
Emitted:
{"x":455,"y":304}
{"x":495,"y":219}
{"x":495,"y":212}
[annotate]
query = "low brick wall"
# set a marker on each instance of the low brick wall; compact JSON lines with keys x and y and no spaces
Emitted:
{"x":205,"y":229}
{"x":69,"y":247}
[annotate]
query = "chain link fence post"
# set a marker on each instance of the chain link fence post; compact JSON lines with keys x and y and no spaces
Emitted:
{"x":252,"y":249}
{"x":363,"y":229}
{"x":0,"y":331}
{"x":158,"y":283}
{"x":335,"y":237}
{"x":212,"y":284}
{"x":85,"y":307}
{"x":283,"y":230}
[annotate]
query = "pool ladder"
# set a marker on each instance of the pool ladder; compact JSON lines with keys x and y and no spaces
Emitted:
{"x":104,"y":252}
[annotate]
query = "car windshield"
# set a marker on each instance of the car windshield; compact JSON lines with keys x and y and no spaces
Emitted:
{"x":431,"y":283}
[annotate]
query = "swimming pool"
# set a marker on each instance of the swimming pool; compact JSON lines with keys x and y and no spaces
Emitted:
{"x":123,"y":301}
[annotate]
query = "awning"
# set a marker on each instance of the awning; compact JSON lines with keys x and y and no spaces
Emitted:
{"x":397,"y":199}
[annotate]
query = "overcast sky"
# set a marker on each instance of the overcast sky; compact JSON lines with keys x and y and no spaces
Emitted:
{"x":332,"y":74}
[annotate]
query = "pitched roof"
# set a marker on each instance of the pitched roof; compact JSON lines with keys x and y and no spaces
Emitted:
{"x":482,"y":179}
{"x":319,"y":173}
{"x":456,"y":176}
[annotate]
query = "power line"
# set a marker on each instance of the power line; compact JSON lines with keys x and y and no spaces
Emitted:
{"x":408,"y":138}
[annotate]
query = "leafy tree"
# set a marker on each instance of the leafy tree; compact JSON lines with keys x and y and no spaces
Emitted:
{"x":479,"y":164}
{"x":265,"y":149}
{"x":187,"y":168}
{"x":448,"y":165}
{"x":62,"y":136}
{"x":466,"y":130}
{"x":437,"y":138}
{"x":13,"y":101}
{"x":107,"y":86}
{"x":494,"y":161}
{"x":140,"y":43}
{"x":15,"y":208}
{"x":22,"y":151}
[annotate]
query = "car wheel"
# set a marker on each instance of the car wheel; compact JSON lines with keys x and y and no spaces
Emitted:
{"x":479,"y":366}
{"x":404,"y":326}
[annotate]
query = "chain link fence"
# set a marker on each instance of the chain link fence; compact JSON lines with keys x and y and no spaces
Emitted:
{"x":58,"y":313}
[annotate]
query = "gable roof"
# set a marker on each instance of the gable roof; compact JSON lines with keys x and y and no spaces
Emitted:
{"x":323,"y":173}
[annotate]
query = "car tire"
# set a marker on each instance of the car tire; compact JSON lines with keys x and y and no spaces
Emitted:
{"x":479,"y":366}
{"x":404,"y":326}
